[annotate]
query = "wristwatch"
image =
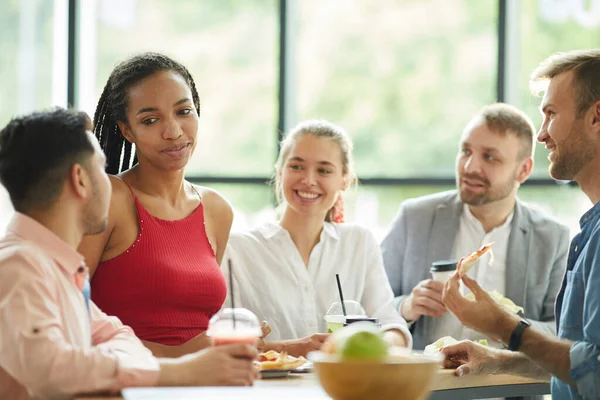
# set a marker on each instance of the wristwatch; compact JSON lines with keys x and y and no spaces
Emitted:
{"x":515,"y":338}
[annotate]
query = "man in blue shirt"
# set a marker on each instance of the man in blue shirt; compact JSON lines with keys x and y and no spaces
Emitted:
{"x":571,"y":132}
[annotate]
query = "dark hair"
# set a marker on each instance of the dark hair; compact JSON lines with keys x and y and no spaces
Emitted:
{"x":36,"y":153}
{"x":112,"y":106}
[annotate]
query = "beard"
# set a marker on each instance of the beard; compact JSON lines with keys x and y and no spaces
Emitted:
{"x":574,"y":153}
{"x":96,"y":227}
{"x":95,"y":217}
{"x":488,"y":194}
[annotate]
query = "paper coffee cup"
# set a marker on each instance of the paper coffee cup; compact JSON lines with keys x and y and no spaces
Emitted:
{"x":442,"y":270}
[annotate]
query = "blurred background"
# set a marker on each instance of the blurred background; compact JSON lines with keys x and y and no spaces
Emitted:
{"x":401,"y":76}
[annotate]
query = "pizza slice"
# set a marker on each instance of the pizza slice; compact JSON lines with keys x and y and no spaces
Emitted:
{"x":465,"y":263}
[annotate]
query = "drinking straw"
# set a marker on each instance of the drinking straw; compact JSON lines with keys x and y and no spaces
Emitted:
{"x":337,"y":277}
{"x":231,"y":291}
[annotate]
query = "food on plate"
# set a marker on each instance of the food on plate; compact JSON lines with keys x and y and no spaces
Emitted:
{"x":505,"y":302}
{"x":268,"y":356}
{"x":465,"y":263}
{"x":359,"y":341}
{"x":436,"y":346}
{"x":272,"y":360}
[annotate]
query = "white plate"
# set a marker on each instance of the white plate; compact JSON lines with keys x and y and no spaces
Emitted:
{"x":307,"y":367}
{"x":274,"y":373}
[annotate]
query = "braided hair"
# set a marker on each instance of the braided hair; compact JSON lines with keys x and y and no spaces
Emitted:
{"x":112,"y":105}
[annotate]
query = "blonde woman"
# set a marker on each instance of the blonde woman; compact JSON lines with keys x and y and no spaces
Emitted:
{"x":285,"y":271}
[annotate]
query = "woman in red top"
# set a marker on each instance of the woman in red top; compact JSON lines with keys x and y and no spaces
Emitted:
{"x":156,"y":267}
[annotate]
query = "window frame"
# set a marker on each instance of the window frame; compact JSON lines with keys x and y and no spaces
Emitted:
{"x":506,"y":88}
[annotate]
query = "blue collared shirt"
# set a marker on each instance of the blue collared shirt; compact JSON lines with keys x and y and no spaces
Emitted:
{"x":578,"y":311}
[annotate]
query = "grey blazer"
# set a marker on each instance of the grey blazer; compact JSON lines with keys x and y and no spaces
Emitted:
{"x":425,"y":229}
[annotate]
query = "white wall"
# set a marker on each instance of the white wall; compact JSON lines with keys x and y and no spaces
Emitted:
{"x":6,"y":209}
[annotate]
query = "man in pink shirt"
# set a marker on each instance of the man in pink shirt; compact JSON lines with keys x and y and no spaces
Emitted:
{"x":54,"y":342}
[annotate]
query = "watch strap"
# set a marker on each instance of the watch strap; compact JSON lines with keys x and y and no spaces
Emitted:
{"x":515,"y":338}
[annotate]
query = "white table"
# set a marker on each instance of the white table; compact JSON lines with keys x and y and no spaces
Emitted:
{"x":297,"y":386}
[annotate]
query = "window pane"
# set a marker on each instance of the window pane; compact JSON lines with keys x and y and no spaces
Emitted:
{"x":229,"y":46}
{"x":547,"y":27}
{"x":253,"y":204}
{"x":376,"y":206}
{"x":567,"y":204}
{"x":33,"y":43}
{"x":33,"y":55}
{"x":402,"y":77}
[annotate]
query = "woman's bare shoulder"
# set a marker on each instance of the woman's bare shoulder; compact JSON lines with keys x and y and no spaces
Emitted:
{"x":214,"y":203}
{"x":119,"y":187}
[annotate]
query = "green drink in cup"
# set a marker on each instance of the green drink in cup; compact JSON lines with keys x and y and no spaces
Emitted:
{"x":334,"y":322}
{"x":335,"y":314}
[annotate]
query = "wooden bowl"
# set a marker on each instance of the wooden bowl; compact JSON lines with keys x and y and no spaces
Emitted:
{"x":400,"y":377}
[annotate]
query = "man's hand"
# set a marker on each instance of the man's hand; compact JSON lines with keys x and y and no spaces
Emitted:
{"x":302,"y":346}
{"x":425,"y":299}
{"x":472,"y":358}
{"x":225,"y":365}
{"x":484,"y":315}
{"x":197,"y":343}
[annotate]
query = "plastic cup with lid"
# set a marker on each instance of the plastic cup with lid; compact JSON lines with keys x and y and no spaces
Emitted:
{"x":234,"y":325}
{"x":335,"y":314}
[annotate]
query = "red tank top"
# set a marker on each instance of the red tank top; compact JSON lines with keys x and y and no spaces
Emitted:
{"x":168,"y":284}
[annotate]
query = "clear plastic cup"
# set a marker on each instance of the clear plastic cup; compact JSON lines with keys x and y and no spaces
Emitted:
{"x":443,"y":270}
{"x":334,"y":322}
{"x":223,"y":330}
{"x":335,"y":315}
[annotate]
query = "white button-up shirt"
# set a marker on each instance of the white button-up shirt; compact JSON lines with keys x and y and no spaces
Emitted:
{"x":271,"y":279}
{"x":471,"y":236}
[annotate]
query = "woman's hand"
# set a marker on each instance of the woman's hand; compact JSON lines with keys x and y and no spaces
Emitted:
{"x":298,"y":347}
{"x":303,"y":346}
{"x":266,"y":329}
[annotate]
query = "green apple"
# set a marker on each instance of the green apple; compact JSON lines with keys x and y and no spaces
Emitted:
{"x":361,"y":341}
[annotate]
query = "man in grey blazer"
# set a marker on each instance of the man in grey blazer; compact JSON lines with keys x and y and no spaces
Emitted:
{"x":495,"y":156}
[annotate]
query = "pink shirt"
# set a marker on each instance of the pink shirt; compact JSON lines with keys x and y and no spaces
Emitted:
{"x":50,"y":345}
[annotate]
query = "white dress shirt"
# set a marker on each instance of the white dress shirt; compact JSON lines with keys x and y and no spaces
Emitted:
{"x":271,"y":279}
{"x":470,"y":237}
